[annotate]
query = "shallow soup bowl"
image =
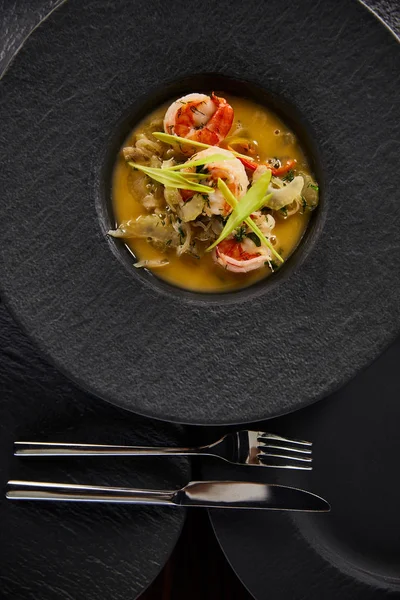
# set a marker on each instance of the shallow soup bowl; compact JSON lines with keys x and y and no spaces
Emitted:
{"x":81,"y":81}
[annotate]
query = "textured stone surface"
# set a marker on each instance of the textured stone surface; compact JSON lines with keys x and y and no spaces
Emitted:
{"x":73,"y":551}
{"x":40,"y":558}
{"x":159,"y":355}
{"x":353,"y":552}
{"x":388,"y":11}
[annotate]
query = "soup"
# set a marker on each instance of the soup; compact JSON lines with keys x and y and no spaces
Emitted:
{"x":212,"y":193}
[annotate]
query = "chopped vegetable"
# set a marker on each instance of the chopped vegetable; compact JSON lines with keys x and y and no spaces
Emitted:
{"x":263,"y":239}
{"x":230,"y":198}
{"x":274,"y":266}
{"x":289,"y":176}
{"x":250,"y":202}
{"x":175,"y":139}
{"x":172,"y":179}
{"x":241,"y":143}
{"x":310,"y":191}
{"x":192,"y":208}
{"x":152,"y":227}
{"x":199,"y":162}
{"x":251,"y":164}
{"x":240,"y":233}
{"x":152,"y":264}
{"x":289,"y":166}
{"x":281,"y":197}
{"x":248,"y":163}
{"x":254,"y":238}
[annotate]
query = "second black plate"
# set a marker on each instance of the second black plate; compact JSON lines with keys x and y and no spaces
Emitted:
{"x":355,"y":550}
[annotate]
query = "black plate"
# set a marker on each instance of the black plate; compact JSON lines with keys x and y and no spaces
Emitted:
{"x":50,"y":551}
{"x":353,"y":553}
{"x":77,"y":82}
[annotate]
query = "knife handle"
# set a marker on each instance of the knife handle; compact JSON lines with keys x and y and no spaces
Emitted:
{"x":66,"y":492}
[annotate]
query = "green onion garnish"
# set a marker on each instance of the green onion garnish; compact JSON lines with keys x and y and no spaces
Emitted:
{"x":199,"y":162}
{"x":172,"y":179}
{"x":175,"y":139}
{"x":230,"y":198}
{"x":252,"y":201}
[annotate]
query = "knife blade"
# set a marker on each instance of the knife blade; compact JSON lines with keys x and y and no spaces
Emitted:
{"x":207,"y":494}
{"x":240,"y":494}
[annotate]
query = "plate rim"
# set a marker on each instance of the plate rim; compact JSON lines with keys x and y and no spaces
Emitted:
{"x":173,"y":418}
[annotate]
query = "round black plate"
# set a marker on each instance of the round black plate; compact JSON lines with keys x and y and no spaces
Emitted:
{"x":354,"y":551}
{"x":66,"y":550}
{"x":153,"y":349}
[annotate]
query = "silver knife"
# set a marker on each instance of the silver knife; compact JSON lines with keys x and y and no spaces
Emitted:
{"x":209,"y":494}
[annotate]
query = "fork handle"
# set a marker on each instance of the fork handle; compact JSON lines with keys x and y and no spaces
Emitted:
{"x":64,"y":492}
{"x":65,"y":449}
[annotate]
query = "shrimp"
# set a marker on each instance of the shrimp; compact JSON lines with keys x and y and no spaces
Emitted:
{"x":199,"y":118}
{"x":231,"y":172}
{"x":241,"y":257}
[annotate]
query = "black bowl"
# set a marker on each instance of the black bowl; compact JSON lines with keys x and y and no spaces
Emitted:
{"x":68,"y":98}
{"x":205,"y":83}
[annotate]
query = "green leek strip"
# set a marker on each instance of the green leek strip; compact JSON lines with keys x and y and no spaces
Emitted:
{"x":199,"y":162}
{"x":230,"y":198}
{"x":249,"y":221}
{"x":175,"y":180}
{"x":194,"y":175}
{"x":252,"y":201}
{"x":175,"y":139}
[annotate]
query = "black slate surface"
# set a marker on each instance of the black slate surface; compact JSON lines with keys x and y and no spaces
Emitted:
{"x":330,"y":318}
{"x":73,"y":551}
{"x":352,"y":553}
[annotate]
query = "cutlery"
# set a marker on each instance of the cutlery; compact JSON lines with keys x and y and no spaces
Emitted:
{"x":209,"y":494}
{"x":244,"y":447}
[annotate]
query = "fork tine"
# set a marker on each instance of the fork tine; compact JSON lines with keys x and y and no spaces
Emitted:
{"x":285,"y":456}
{"x":288,"y":448}
{"x":293,"y":467}
{"x":262,"y":435}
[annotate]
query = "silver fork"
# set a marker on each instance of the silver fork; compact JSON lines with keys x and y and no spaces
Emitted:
{"x":255,"y":448}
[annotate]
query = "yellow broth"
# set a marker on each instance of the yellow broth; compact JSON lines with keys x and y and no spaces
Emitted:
{"x":204,"y":275}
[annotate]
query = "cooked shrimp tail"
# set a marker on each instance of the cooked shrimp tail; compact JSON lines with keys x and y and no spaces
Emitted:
{"x":199,"y":117}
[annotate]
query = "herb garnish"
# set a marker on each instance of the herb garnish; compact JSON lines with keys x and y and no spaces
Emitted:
{"x":242,"y":210}
{"x":199,"y":162}
{"x":289,"y":176}
{"x":172,"y":179}
{"x":196,"y":111}
{"x":254,"y":239}
{"x":240,"y":233}
{"x":313,"y":186}
{"x":273,"y":265}
{"x":175,"y":139}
